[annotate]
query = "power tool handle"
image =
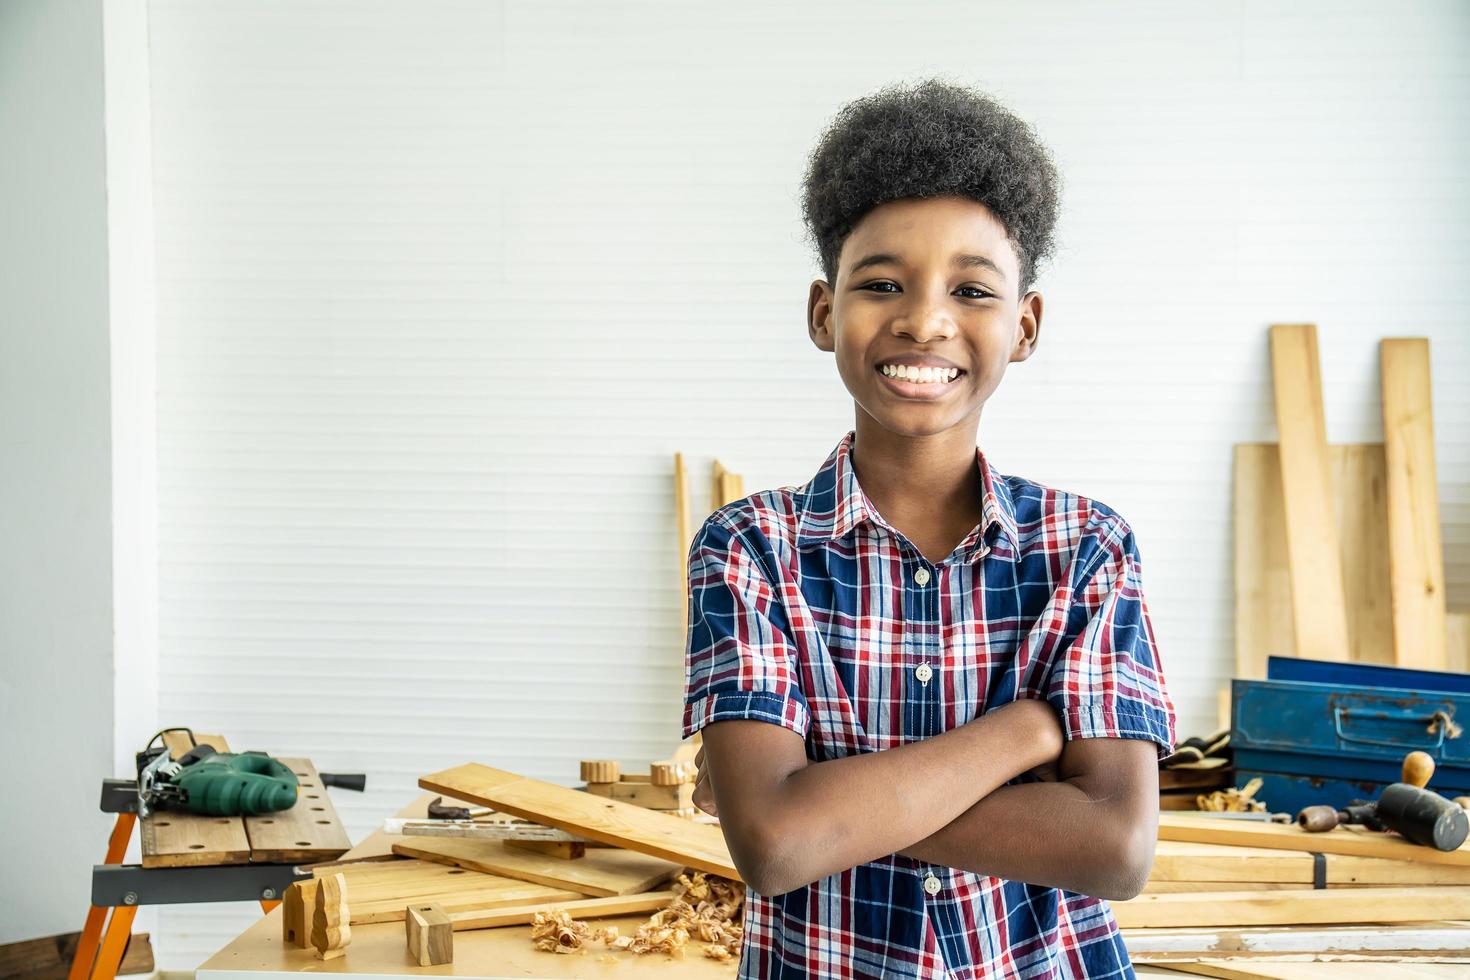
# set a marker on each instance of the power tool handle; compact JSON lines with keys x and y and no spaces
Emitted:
{"x":345,"y":780}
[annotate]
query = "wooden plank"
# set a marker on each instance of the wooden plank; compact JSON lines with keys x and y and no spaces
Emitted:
{"x":1343,"y":840}
{"x":1457,"y":641}
{"x":1416,"y":561}
{"x":1187,"y":861}
{"x":1426,"y":937}
{"x":1360,"y":500}
{"x":50,"y":957}
{"x":695,"y":845}
{"x":308,"y":831}
{"x":1263,"y":597}
{"x":586,"y":909}
{"x":606,"y":871}
{"x":1262,"y":580}
{"x":173,"y":839}
{"x":565,"y":850}
{"x":1314,"y":907}
{"x":1319,"y":616}
{"x":1262,"y":970}
{"x":381,"y":890}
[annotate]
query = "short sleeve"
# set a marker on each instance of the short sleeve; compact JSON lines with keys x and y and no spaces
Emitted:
{"x":740,"y":659}
{"x":1107,"y":680}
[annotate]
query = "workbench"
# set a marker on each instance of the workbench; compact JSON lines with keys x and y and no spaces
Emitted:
{"x":378,"y":950}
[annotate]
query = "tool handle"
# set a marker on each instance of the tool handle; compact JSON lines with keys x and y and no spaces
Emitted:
{"x":345,"y":780}
{"x":1418,"y":768}
{"x":1316,"y":819}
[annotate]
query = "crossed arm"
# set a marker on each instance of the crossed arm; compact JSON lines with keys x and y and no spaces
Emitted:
{"x":1089,"y":827}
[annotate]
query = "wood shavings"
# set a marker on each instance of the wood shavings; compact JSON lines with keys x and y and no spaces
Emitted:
{"x":708,"y":908}
{"x":1233,"y":800}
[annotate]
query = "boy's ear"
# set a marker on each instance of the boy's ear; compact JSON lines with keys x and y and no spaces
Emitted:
{"x":1028,"y":326}
{"x":819,"y":315}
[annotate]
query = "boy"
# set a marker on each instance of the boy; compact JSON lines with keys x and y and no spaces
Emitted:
{"x":931,"y":703}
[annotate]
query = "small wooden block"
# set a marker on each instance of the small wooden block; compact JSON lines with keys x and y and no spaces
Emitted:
{"x":599,"y":770}
{"x":331,"y":919}
{"x":568,"y":850}
{"x":666,"y":773}
{"x":298,"y":905}
{"x":677,"y":797}
{"x":430,"y":935}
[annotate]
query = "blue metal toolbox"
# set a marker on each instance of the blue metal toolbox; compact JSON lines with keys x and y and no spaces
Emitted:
{"x":1319,"y":732}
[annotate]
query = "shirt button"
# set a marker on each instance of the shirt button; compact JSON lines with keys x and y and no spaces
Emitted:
{"x":922,"y":576}
{"x":923,"y":672}
{"x":931,"y":885}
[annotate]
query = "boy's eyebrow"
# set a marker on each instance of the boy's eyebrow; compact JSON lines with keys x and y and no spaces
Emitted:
{"x":963,"y":261}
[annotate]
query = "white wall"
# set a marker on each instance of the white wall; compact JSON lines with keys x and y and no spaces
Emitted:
{"x":442,"y":286}
{"x":56,"y":681}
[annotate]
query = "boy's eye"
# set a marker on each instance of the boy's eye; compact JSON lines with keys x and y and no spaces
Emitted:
{"x":977,"y":292}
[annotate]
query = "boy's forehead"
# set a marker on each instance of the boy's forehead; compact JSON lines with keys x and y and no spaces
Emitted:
{"x":925,"y":230}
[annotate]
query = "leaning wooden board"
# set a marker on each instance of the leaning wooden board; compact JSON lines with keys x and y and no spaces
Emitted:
{"x":599,"y":873}
{"x":1263,"y":584}
{"x":309,"y":831}
{"x":1343,"y":840}
{"x":695,"y":845}
{"x":1316,"y":907}
{"x":1263,"y":596}
{"x":1319,"y":612}
{"x":1416,"y":562}
{"x":1288,"y":970}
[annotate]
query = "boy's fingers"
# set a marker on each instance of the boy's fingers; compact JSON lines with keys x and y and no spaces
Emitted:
{"x":703,"y":797}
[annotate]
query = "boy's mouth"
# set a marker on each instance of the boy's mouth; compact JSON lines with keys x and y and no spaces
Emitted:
{"x":912,"y":381}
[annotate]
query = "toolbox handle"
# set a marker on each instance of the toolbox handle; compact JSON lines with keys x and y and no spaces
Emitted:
{"x":1340,"y":713}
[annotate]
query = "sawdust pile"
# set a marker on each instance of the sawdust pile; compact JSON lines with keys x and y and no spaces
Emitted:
{"x":1232,"y":800}
{"x":708,"y":908}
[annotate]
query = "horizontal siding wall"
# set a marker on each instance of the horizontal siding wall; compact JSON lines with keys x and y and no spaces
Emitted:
{"x":442,"y":286}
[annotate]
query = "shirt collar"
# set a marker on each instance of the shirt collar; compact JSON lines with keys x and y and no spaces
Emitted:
{"x":835,"y":504}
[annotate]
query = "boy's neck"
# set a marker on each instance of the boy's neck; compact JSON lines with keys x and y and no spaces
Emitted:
{"x":928,"y":487}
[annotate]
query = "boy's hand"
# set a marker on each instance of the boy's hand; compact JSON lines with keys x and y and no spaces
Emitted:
{"x":704,"y":796}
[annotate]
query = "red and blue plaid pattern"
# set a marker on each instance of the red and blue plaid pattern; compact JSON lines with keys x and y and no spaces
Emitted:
{"x":808,"y":610}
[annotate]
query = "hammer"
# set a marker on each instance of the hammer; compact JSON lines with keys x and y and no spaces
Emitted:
{"x":1418,"y":814}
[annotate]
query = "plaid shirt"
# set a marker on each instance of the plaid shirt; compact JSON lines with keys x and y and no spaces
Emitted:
{"x":810,"y":611}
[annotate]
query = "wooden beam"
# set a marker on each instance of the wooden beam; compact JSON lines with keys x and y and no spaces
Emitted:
{"x":591,"y":908}
{"x":1343,"y":840}
{"x":1306,"y":907}
{"x":1416,"y":561}
{"x":1319,"y":612}
{"x":605,"y":871}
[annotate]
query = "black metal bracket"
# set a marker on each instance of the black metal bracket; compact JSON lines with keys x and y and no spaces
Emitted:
{"x":119,"y":796}
{"x":133,"y":884}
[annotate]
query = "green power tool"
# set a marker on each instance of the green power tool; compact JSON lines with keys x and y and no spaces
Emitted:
{"x":217,"y":784}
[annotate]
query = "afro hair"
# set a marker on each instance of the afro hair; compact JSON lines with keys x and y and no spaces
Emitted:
{"x":927,"y":140}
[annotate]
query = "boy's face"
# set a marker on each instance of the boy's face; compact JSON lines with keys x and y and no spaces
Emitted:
{"x":907,"y":295}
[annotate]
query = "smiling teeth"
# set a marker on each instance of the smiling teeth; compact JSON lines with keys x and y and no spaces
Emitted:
{"x":907,"y":372}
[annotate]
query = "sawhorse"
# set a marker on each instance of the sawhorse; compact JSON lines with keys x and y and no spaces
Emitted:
{"x":122,"y":888}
